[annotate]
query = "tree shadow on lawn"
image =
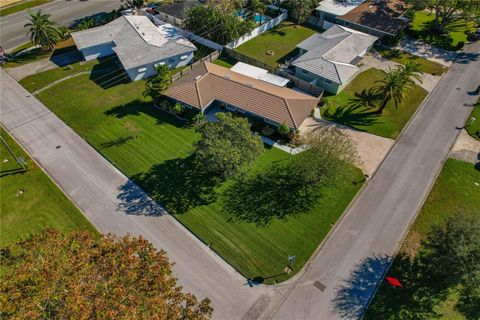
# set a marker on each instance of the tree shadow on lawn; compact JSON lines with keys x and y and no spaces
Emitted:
{"x":421,"y":292}
{"x":176,"y":184}
{"x":276,"y":193}
{"x":138,"y":107}
{"x":442,"y":40}
{"x":354,"y":114}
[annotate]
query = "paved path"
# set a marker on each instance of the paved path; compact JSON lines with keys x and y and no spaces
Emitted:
{"x":114,"y":204}
{"x":340,"y":280}
{"x":64,"y":12}
{"x":466,"y":148}
{"x":59,"y":80}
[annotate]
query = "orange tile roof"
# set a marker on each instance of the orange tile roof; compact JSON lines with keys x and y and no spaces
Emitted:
{"x":208,"y":82}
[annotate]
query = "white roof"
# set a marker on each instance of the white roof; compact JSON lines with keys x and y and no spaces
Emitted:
{"x":136,"y":40}
{"x":331,"y":53}
{"x":259,"y":73}
{"x":338,"y":7}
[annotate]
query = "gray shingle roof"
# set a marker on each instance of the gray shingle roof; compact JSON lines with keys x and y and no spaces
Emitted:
{"x":137,"y":41}
{"x":331,"y":53}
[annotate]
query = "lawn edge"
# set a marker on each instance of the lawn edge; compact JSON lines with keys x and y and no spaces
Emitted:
{"x":100,"y":233}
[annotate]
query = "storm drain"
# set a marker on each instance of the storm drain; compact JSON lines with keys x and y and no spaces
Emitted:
{"x":319,"y":285}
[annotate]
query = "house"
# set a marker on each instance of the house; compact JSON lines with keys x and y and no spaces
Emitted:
{"x":174,"y":11}
{"x":208,"y":85}
{"x":138,"y":44}
{"x":380,"y":18}
{"x":329,"y":59}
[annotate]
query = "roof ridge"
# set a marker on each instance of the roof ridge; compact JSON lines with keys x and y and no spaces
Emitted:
{"x":290,"y":113}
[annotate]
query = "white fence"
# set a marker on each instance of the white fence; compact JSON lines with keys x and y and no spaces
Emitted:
{"x":201,"y":40}
{"x":258,"y":30}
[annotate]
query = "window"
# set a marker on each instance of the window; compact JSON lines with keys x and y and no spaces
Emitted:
{"x":185,"y":57}
{"x":141,"y":70}
{"x":328,"y":81}
{"x":305,"y":71}
{"x":162,"y":63}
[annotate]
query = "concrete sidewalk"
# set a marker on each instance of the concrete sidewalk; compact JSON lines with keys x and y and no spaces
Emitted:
{"x":114,"y":204}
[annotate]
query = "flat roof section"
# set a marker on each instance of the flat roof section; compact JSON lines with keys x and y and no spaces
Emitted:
{"x":338,"y":7}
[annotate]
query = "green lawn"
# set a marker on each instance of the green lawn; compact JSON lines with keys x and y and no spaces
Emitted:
{"x":426,"y":65}
{"x":41,"y":205}
{"x":456,"y":189}
{"x":345,"y":108}
{"x":158,"y":160}
{"x":473,"y":124}
{"x":422,"y":28}
{"x":26,"y":4}
{"x":37,"y":54}
{"x":225,"y":62}
{"x":282,"y":40}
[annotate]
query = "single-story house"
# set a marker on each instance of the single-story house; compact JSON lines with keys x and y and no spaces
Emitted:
{"x":380,"y":18}
{"x":208,"y":84}
{"x":138,"y":44}
{"x":329,"y":59}
{"x":174,"y":12}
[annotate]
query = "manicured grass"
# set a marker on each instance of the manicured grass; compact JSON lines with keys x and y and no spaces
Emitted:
{"x":22,"y":6}
{"x":37,"y":54}
{"x":225,"y":62}
{"x":473,"y":123}
{"x":158,"y":160}
{"x":345,"y":108}
{"x":422,"y":27}
{"x":40,"y":206}
{"x":282,"y":40}
{"x":457,"y":189}
{"x":426,"y":66}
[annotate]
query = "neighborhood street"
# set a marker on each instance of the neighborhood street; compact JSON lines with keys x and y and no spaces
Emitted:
{"x":116,"y":205}
{"x":343,"y":276}
{"x":64,"y":12}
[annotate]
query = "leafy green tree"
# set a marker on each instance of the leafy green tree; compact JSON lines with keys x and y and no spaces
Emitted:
{"x":257,"y":6}
{"x":393,"y":87}
{"x":42,"y":31}
{"x":225,"y":145}
{"x":75,"y":276}
{"x":453,"y":248}
{"x":156,"y":86}
{"x":136,"y":4}
{"x":445,"y":11}
{"x":178,"y":108}
{"x":300,"y":10}
{"x":211,"y":23}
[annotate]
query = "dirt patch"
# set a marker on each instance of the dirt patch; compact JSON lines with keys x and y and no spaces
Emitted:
{"x":412,"y":243}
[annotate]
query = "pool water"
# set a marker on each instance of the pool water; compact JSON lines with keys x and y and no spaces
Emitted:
{"x":257,"y":17}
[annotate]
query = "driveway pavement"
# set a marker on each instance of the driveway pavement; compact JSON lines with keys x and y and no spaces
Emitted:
{"x":116,"y":205}
{"x":424,"y":50}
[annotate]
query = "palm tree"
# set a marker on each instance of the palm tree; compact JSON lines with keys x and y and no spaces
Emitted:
{"x":412,"y":69}
{"x":393,"y":86}
{"x":42,"y":31}
{"x":257,"y":6}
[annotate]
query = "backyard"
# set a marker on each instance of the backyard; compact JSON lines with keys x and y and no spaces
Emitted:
{"x":154,"y":148}
{"x":457,"y":189}
{"x":282,"y":40}
{"x":30,"y":201}
{"x":348,"y":107}
{"x":452,"y":40}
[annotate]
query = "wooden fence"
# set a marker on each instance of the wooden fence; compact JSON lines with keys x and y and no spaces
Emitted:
{"x":211,"y":57}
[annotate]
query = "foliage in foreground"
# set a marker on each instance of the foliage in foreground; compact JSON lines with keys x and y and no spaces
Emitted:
{"x":225,"y":145}
{"x":56,"y":276}
{"x":293,"y":187}
{"x":42,"y":31}
{"x":156,"y":86}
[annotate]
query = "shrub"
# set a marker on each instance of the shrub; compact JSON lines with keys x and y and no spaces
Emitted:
{"x":283,"y":130}
{"x":268,"y":131}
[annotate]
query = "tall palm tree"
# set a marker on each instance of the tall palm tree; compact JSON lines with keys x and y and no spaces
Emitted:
{"x":392,"y":87}
{"x":42,"y":31}
{"x":412,"y":70}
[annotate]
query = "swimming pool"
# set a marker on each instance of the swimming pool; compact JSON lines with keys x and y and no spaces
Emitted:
{"x":258,"y":18}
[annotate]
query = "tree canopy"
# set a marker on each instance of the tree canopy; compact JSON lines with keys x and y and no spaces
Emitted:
{"x":156,"y":86}
{"x":42,"y":31}
{"x":300,"y":10}
{"x":74,"y":276}
{"x":446,"y":10}
{"x":213,"y":23}
{"x":225,"y":145}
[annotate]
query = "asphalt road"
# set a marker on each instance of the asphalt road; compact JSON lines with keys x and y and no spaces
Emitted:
{"x":342,"y":277}
{"x":64,"y":12}
{"x":115,"y":205}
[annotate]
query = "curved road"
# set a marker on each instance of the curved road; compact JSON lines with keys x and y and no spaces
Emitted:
{"x":12,"y":32}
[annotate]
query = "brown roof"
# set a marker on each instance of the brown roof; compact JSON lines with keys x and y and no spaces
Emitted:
{"x":382,"y":15}
{"x":207,"y":82}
